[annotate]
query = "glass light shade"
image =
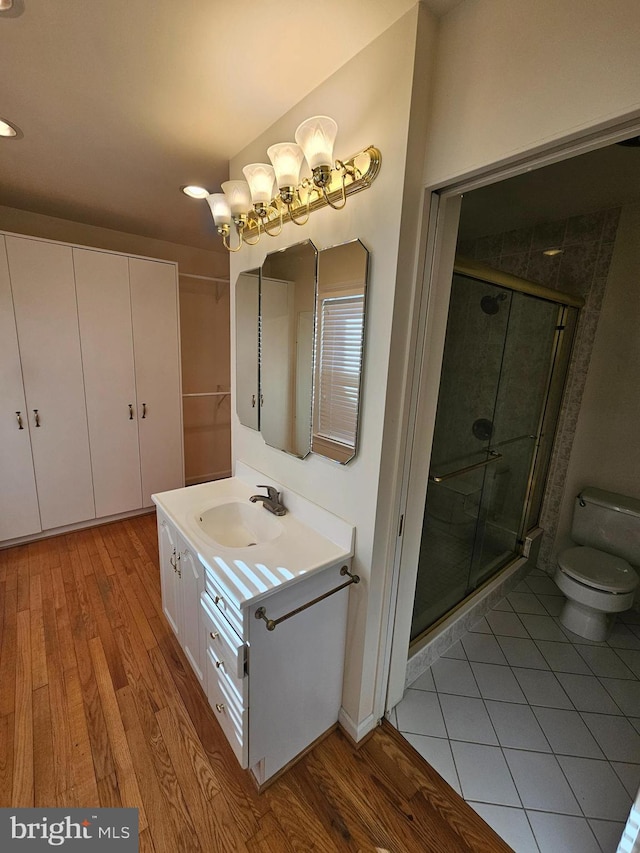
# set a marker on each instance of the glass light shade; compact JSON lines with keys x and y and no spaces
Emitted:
{"x":260,"y":177}
{"x":287,"y":160}
{"x":316,"y":136}
{"x":7,"y":129}
{"x":219,"y":208}
{"x":194,"y":191}
{"x":239,"y":197}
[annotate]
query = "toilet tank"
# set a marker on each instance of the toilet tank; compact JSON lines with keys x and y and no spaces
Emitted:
{"x":608,"y":522}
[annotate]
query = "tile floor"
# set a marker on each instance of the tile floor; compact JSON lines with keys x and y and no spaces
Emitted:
{"x":537,"y":728}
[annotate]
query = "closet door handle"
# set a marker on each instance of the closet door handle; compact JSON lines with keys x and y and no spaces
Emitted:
{"x":130,"y":412}
{"x":144,"y":410}
{"x":253,"y":401}
{"x":37,"y":417}
{"x":19,"y":417}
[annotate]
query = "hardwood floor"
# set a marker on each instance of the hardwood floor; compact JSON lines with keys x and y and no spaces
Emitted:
{"x":98,"y":707}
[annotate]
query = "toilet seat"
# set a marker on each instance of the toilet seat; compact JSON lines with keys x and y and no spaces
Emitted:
{"x":598,"y":569}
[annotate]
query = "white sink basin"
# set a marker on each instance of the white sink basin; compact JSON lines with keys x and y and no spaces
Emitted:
{"x":238,"y":525}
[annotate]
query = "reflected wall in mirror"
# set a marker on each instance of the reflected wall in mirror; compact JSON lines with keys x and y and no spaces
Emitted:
{"x":247,"y":355}
{"x":340,"y":307}
{"x":287,"y":302}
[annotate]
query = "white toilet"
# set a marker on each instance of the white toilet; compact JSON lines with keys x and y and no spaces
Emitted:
{"x":597,"y":576}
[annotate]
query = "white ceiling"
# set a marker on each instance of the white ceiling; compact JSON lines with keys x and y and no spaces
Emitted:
{"x":121,"y":102}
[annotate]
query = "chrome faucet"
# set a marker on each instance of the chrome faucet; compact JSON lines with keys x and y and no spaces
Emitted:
{"x":270,"y":501}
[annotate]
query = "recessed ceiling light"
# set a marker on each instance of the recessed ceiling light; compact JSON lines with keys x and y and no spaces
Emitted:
{"x":5,"y":5}
{"x":553,"y":251}
{"x":195,"y":192}
{"x":7,"y":129}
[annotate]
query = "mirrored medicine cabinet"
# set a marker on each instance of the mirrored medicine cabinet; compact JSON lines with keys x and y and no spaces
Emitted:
{"x":299,"y":348}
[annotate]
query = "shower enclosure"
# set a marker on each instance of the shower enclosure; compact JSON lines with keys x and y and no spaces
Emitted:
{"x":505,"y":361}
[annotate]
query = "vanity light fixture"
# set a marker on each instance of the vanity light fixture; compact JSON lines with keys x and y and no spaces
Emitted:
{"x":273,"y":193}
{"x":7,"y":129}
{"x":194,"y":191}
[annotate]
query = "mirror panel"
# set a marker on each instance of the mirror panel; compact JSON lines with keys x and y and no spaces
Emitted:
{"x":340,"y":312}
{"x":247,"y":331}
{"x":287,"y":303}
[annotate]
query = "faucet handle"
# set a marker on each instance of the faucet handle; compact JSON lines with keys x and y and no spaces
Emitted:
{"x":272,"y":492}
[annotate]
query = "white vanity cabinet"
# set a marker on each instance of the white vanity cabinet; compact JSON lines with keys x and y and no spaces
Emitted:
{"x":182,"y":583}
{"x":272,"y":617}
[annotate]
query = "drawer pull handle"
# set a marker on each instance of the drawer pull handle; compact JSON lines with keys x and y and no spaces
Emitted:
{"x":219,"y":663}
{"x":36,"y":417}
{"x":144,"y":410}
{"x":219,"y":599}
{"x":19,"y":417}
{"x":273,"y":623}
{"x":219,"y":707}
{"x":130,"y":412}
{"x":214,"y":635}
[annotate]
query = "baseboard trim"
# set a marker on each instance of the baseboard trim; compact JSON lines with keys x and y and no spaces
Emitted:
{"x":357,"y":731}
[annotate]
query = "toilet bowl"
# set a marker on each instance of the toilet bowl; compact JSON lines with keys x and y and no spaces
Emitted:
{"x":597,"y":576}
{"x":597,"y":585}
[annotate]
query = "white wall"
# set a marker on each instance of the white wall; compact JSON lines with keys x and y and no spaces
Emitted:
{"x":371,"y":99}
{"x":606,"y":449}
{"x":513,"y":75}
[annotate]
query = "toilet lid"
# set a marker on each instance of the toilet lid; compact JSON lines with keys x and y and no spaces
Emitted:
{"x":598,"y":569}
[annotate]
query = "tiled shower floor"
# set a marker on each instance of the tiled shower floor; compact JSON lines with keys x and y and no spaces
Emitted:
{"x":538,"y":729}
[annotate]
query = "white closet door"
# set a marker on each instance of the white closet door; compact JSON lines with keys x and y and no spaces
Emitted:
{"x":154,"y":309}
{"x":106,"y":339}
{"x":44,"y":298}
{"x":19,"y":515}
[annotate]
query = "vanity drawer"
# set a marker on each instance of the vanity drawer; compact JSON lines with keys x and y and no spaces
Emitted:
{"x":228,"y":651}
{"x":228,"y":708}
{"x":222,"y":601}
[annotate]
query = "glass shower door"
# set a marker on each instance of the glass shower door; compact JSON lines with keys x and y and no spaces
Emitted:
{"x":497,"y":361}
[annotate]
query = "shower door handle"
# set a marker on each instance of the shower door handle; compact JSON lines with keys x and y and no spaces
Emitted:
{"x":439,"y":478}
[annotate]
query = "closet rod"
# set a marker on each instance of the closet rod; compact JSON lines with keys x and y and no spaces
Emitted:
{"x":209,"y":394}
{"x":203,"y":277}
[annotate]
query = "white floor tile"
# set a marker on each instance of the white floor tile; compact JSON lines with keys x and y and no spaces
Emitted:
{"x":629,"y":775}
{"x":543,"y":586}
{"x":455,"y":651}
{"x":497,"y":682}
{"x":506,"y":624}
{"x":587,"y":694}
{"x":424,"y":682}
{"x":543,"y":628}
{"x":521,"y":652}
{"x":517,"y":726}
{"x":608,"y":833}
{"x":483,"y":648}
{"x":437,"y":752}
{"x":558,"y":833}
{"x":484,"y":775}
{"x":617,"y":737}
{"x":510,"y":824}
{"x":625,"y":693}
{"x":467,"y":719}
{"x":604,"y":662}
{"x":553,"y":603}
{"x":621,"y":637}
{"x":454,"y":676}
{"x":635,"y":723}
{"x":526,"y":602}
{"x":503,"y":604}
{"x":630,"y":617}
{"x":563,"y":657}
{"x":632,"y":659}
{"x":419,"y":712}
{"x":542,"y":688}
{"x":541,"y":782}
{"x":567,"y":733}
{"x":480,"y":627}
{"x":599,"y":791}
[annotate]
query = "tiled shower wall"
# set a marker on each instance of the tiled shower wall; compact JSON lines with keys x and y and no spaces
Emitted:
{"x":581,"y":269}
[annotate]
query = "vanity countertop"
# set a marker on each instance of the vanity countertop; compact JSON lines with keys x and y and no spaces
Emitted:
{"x":253,"y":572}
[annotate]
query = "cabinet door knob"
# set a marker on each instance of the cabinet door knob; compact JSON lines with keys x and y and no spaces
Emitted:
{"x":130,"y":412}
{"x":219,"y":663}
{"x":253,"y":401}
{"x":219,"y":707}
{"x":19,"y":417}
{"x":144,"y":410}
{"x":214,"y":635}
{"x":37,"y":417}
